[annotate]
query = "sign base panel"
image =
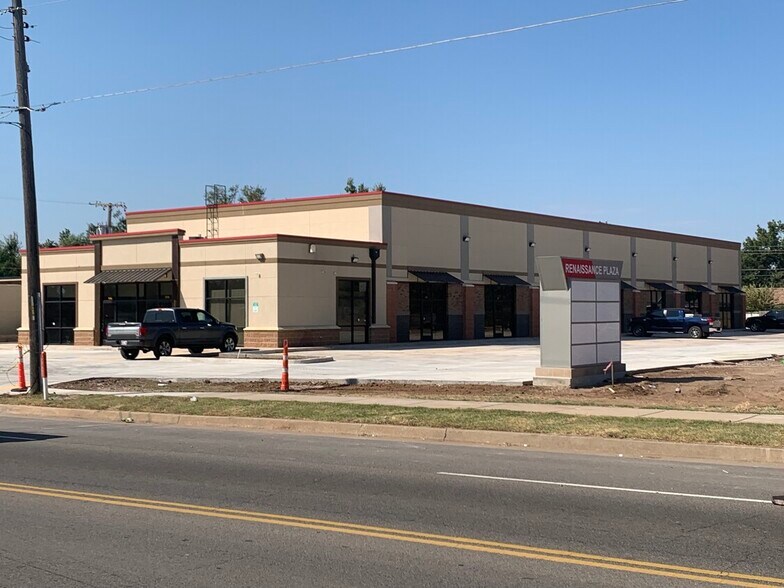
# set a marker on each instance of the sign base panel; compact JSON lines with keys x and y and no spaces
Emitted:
{"x":577,"y":377}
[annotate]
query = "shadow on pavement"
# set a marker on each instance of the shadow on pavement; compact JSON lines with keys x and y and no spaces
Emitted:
{"x":15,"y":437}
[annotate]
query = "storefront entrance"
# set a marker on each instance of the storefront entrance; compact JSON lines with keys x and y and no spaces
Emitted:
{"x":59,"y":314}
{"x":726,"y":307}
{"x":499,"y":311}
{"x":353,"y":310}
{"x":129,"y":302}
{"x":428,"y":308}
{"x":226,"y":301}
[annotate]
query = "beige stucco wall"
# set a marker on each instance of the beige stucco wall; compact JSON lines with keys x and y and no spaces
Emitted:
{"x":66,"y":267}
{"x":617,"y":247}
{"x":357,"y":219}
{"x":10,"y":309}
{"x":558,"y":241}
{"x":233,"y":260}
{"x":154,"y":251}
{"x":497,"y":245}
{"x":692,"y":264}
{"x":424,"y":239}
{"x":725,"y":266}
{"x":307,"y":286}
{"x":654,"y":261}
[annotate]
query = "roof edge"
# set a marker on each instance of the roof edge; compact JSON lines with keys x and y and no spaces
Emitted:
{"x":285,"y":238}
{"x":233,"y":205}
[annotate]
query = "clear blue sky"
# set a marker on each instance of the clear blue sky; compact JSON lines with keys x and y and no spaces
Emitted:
{"x":669,"y":118}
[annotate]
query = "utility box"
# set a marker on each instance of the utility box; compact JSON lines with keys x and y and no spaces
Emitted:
{"x":580,"y":321}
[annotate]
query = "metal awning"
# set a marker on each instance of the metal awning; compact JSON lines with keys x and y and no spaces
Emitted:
{"x":130,"y":276}
{"x":699,"y":288}
{"x":435,"y":277}
{"x":507,"y":280}
{"x":732,"y":290}
{"x":663,"y":286}
{"x":628,"y":286}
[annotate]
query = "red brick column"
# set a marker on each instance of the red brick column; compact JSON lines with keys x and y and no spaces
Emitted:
{"x":534,"y":312}
{"x":713,"y":304}
{"x":455,"y":296}
{"x":479,"y":312}
{"x":392,"y":311}
{"x":469,"y":302}
{"x":523,"y":310}
{"x":403,"y":319}
{"x":639,"y":304}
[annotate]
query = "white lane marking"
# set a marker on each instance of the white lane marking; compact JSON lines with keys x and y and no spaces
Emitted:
{"x":610,"y":488}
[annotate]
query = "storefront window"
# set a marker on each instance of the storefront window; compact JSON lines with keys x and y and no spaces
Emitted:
{"x":129,"y":301}
{"x":226,"y":301}
{"x":499,"y":311}
{"x":59,"y":314}
{"x":428,"y":308}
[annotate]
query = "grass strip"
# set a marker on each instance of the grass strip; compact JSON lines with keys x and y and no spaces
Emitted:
{"x":486,"y":420}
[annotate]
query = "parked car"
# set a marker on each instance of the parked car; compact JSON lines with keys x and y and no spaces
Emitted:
{"x":165,"y":329}
{"x":773,"y":319}
{"x":674,"y":320}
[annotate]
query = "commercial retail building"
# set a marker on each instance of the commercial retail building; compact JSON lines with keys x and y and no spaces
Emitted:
{"x":370,"y":267}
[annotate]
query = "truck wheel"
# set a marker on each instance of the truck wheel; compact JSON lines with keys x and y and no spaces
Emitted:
{"x":228,"y":344}
{"x":638,"y":331}
{"x":195,"y":350}
{"x":163,"y":348}
{"x":756,"y":326}
{"x":129,"y":353}
{"x":695,"y":332}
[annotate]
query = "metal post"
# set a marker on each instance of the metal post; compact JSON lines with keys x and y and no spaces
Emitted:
{"x":28,"y":188}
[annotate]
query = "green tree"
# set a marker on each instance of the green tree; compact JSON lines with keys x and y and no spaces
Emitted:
{"x":235,"y":193}
{"x":247,"y":193}
{"x":352,"y":188}
{"x":67,"y":238}
{"x":10,"y":256}
{"x":759,"y":299}
{"x":762,"y":257}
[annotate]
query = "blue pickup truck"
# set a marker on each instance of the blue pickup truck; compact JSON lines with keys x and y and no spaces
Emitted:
{"x":165,"y":329}
{"x":674,"y":320}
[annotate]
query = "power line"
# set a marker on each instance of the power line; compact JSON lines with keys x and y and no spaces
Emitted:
{"x":332,"y":60}
{"x":49,"y":201}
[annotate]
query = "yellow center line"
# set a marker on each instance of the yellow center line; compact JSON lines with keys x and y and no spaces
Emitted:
{"x":462,"y":543}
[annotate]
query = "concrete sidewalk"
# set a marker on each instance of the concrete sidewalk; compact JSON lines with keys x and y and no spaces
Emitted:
{"x":567,"y":409}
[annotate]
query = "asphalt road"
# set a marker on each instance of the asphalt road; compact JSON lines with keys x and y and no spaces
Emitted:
{"x":100,"y":504}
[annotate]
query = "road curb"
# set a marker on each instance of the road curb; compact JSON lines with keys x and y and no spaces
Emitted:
{"x":535,"y":441}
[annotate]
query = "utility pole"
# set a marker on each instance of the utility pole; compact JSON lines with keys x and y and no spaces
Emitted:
{"x":109,"y":208}
{"x":28,"y":188}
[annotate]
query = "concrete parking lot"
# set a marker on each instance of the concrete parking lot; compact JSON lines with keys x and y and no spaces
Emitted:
{"x":471,"y":361}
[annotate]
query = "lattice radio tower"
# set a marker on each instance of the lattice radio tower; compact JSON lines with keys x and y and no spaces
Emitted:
{"x":214,"y":195}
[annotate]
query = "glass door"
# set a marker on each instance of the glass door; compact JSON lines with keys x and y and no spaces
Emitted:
{"x":726,"y":304}
{"x":428,"y":311}
{"x":353,"y":311}
{"x":499,"y":311}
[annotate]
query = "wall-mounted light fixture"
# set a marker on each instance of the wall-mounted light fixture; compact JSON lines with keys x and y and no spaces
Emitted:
{"x":587,"y":249}
{"x":675,"y":258}
{"x":354,"y":259}
{"x":634,"y":254}
{"x":531,"y":243}
{"x":260,"y":257}
{"x":466,"y":238}
{"x":710,"y":262}
{"x":312,"y":248}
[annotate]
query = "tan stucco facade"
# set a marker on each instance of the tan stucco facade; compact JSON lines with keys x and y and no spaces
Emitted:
{"x":290,"y":254}
{"x":10,"y":312}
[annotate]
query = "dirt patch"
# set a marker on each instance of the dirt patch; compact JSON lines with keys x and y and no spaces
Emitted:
{"x":750,"y":386}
